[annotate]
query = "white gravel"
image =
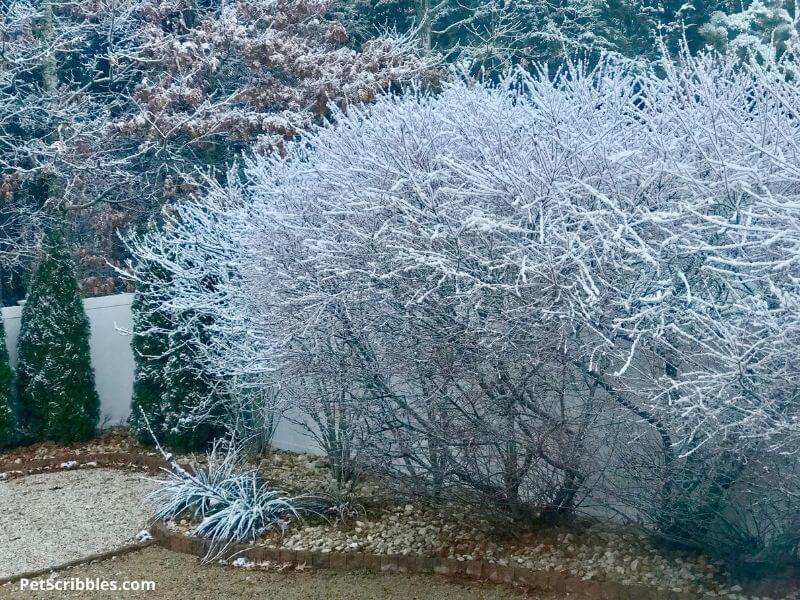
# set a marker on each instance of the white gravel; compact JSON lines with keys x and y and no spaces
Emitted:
{"x":53,"y":518}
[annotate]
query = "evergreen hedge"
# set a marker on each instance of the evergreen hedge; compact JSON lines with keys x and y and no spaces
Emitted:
{"x":55,"y":380}
{"x":9,"y":426}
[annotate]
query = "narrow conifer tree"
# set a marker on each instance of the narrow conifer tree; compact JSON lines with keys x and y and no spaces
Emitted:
{"x":55,"y":380}
{"x":9,"y":426}
{"x":149,"y":384}
{"x":166,"y":388}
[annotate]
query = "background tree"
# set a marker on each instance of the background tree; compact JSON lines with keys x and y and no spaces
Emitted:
{"x":57,"y":96}
{"x":487,"y":35}
{"x":9,"y":424}
{"x":55,"y":380}
{"x":492,"y":35}
{"x":109,"y":109}
{"x":760,"y":28}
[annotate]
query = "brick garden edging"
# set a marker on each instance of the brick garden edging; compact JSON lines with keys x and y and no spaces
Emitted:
{"x":539,"y":581}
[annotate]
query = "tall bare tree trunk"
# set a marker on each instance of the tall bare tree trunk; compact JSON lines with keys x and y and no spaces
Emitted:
{"x":424,"y":23}
{"x":44,"y":30}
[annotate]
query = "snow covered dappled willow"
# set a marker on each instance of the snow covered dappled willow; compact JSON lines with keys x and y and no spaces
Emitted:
{"x":551,"y":293}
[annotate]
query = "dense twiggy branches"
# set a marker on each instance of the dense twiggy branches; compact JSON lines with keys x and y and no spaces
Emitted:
{"x":507,"y":288}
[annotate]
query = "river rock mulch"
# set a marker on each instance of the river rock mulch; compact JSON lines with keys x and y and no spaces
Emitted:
{"x":408,"y":527}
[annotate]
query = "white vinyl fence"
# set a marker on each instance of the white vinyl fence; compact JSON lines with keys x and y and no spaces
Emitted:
{"x":112,"y":358}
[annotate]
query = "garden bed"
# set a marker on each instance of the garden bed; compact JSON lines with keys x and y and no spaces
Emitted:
{"x":116,"y":440}
{"x":413,"y":531}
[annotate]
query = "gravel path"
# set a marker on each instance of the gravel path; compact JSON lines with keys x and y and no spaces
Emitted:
{"x":52,"y":518}
{"x":181,"y":577}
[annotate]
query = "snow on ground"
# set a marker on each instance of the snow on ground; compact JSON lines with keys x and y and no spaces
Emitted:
{"x":53,"y":518}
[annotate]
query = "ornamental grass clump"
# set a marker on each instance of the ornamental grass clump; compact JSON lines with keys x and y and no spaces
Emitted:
{"x":227,"y":501}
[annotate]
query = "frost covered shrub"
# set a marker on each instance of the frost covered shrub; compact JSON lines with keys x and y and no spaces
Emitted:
{"x":227,"y":501}
{"x":55,"y":379}
{"x":9,"y":426}
{"x":536,"y":294}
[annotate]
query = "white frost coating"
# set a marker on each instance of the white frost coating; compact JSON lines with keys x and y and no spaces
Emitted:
{"x":642,"y":220}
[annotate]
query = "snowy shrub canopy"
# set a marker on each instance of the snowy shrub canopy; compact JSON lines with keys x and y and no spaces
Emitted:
{"x":491,"y":272}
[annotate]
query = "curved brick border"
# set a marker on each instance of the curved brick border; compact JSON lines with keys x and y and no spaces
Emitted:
{"x":540,"y":581}
{"x":149,"y":462}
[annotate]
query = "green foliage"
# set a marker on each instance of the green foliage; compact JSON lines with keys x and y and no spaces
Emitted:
{"x":55,"y":380}
{"x":149,"y":385}
{"x":9,"y":427}
{"x":166,"y":387}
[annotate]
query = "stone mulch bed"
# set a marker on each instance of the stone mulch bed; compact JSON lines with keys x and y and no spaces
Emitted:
{"x":385,"y":526}
{"x":116,"y":440}
{"x":410,"y":528}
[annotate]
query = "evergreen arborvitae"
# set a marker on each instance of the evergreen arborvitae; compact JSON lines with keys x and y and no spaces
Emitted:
{"x":166,"y":389}
{"x":55,"y":380}
{"x":149,"y":383}
{"x":186,"y":391}
{"x":9,"y":427}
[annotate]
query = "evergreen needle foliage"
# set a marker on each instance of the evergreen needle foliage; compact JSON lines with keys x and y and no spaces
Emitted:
{"x":166,"y":389}
{"x":149,"y":383}
{"x":9,"y":430}
{"x":55,"y":382}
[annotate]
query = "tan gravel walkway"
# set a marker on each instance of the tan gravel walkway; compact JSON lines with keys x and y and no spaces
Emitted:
{"x":53,"y":518}
{"x":181,"y":577}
